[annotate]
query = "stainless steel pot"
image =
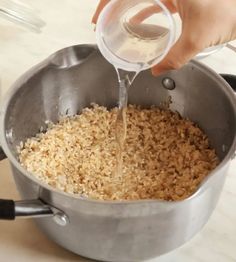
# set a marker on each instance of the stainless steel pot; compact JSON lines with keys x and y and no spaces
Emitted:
{"x":70,"y":80}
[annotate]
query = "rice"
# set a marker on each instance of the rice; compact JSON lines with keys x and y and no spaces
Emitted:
{"x":165,"y":156}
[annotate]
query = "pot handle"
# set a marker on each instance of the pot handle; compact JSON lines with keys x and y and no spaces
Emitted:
{"x":231,"y":80}
{"x":7,"y":207}
{"x":9,"y":210}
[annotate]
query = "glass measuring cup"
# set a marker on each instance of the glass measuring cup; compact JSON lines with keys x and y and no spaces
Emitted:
{"x":135,"y":34}
{"x":21,"y":14}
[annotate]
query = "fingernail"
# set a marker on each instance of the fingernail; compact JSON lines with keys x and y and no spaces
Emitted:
{"x":94,"y":20}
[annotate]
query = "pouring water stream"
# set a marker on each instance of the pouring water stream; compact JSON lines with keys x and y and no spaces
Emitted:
{"x":125,"y":80}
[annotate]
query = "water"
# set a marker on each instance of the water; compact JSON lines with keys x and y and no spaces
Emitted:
{"x":136,"y":43}
{"x":143,"y":43}
{"x":125,"y":79}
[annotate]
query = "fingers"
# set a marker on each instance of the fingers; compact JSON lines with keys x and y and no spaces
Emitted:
{"x":141,"y":15}
{"x":183,"y":51}
{"x":100,"y":6}
{"x":151,"y":10}
{"x":170,"y":5}
{"x":144,"y":14}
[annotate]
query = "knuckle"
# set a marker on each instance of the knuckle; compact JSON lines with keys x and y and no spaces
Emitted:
{"x":174,"y":64}
{"x":193,"y":43}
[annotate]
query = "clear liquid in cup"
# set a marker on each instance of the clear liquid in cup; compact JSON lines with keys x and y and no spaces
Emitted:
{"x":135,"y":34}
{"x":151,"y":38}
{"x":139,"y":44}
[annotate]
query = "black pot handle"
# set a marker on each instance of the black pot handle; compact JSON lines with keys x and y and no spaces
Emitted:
{"x":7,"y":209}
{"x":10,"y":209}
{"x":231,"y":80}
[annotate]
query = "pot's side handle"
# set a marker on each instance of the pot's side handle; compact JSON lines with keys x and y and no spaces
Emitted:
{"x":231,"y":80}
{"x":9,"y":210}
{"x":7,"y":207}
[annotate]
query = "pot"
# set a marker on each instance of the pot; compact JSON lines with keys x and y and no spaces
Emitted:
{"x":70,"y":80}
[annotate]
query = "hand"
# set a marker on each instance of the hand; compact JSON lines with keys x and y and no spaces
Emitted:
{"x":205,"y":23}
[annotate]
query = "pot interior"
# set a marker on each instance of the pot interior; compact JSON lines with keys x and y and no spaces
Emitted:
{"x":77,"y":76}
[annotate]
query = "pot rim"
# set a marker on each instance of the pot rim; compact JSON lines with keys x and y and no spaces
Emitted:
{"x":27,"y":75}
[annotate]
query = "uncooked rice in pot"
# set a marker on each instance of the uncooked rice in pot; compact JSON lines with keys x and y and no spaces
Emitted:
{"x":165,"y":156}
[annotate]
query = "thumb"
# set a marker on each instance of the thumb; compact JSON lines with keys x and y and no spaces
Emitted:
{"x":182,"y":51}
{"x":99,"y":9}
